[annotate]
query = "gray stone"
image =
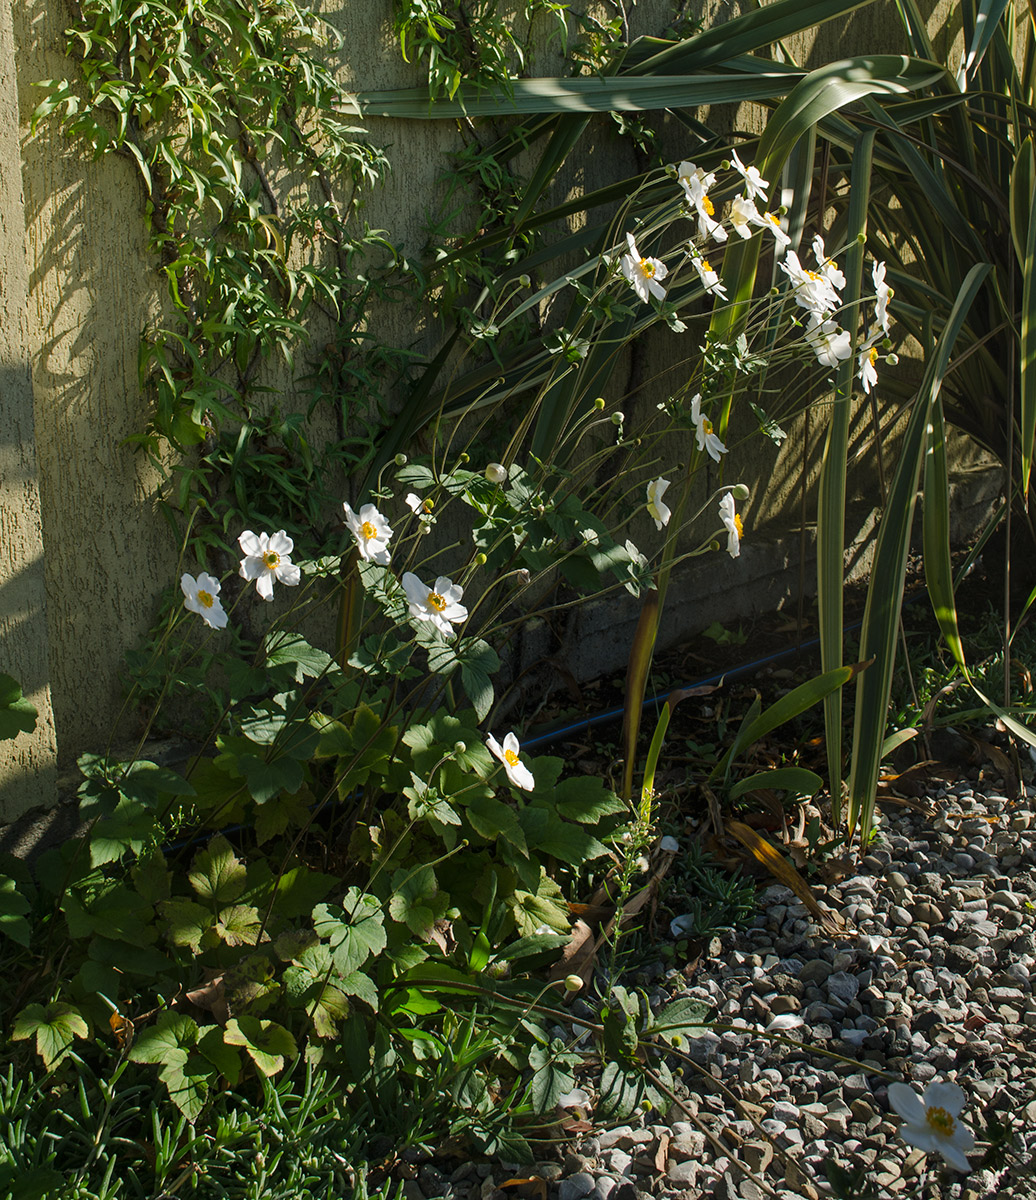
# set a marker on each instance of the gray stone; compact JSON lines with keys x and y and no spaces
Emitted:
{"x":843,"y":987}
{"x":683,"y":1174}
{"x":575,"y":1187}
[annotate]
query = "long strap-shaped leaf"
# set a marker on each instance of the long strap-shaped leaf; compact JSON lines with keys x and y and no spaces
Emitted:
{"x":1027,"y":362}
{"x":580,"y":94}
{"x":831,"y":504}
{"x":939,"y":568}
{"x":761,"y":27}
{"x":791,"y":705}
{"x":888,"y":575}
{"x":986,"y":21}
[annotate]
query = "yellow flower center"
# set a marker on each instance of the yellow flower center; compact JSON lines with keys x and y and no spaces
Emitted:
{"x":940,"y":1121}
{"x":814,"y":275}
{"x":772,"y":219}
{"x":510,"y":758}
{"x":709,"y":207}
{"x":706,"y":267}
{"x":270,"y":560}
{"x":873,"y":356}
{"x":436,"y":601}
{"x":368,"y":530}
{"x":738,"y":526}
{"x":647,"y":267}
{"x":706,"y":426}
{"x":205,"y":599}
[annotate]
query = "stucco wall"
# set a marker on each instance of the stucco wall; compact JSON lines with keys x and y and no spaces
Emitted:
{"x":78,"y":256}
{"x":27,"y":765}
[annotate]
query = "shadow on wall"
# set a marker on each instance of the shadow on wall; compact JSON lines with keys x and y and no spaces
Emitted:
{"x":91,"y":291}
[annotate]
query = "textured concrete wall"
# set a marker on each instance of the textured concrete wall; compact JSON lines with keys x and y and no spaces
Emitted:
{"x":27,"y":764}
{"x":90,"y":287}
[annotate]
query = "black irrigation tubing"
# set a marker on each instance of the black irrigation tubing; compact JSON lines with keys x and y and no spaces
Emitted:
{"x":615,"y":714}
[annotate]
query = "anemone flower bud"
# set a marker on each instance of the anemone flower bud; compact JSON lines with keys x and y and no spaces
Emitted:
{"x":573,"y":983}
{"x":496,"y":472}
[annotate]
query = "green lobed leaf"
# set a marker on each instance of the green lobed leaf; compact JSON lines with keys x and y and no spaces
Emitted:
{"x":354,"y":930}
{"x":217,"y":874}
{"x":17,"y":715}
{"x":269,"y":1045}
{"x":54,"y":1026}
{"x":13,"y":907}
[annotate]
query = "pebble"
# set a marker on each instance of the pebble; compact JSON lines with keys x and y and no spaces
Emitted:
{"x":933,"y":979}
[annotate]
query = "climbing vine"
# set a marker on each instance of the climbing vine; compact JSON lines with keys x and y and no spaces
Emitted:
{"x":252,"y":183}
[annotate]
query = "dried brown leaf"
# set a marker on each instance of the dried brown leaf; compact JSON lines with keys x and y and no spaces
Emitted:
{"x":766,"y":853}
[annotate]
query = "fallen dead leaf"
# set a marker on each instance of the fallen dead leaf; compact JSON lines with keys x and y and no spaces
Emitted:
{"x":766,"y":853}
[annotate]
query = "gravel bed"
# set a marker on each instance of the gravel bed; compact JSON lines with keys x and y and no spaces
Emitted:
{"x":932,"y":980}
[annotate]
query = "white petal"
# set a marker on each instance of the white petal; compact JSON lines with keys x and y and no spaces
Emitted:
{"x":907,"y":1103}
{"x":281,"y":544}
{"x":576,"y":1098}
{"x":944,"y":1094}
{"x":288,"y":574}
{"x":264,"y":585}
{"x":250,"y":544}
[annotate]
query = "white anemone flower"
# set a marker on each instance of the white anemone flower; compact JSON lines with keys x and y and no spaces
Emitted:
{"x":709,"y":277}
{"x":657,"y":508}
{"x":932,"y":1123}
{"x":517,"y":772}
{"x":827,"y":266}
{"x":201,"y":596}
{"x":812,"y":290}
{"x":732,"y":521}
{"x":866,"y":372}
{"x":440,"y":604}
{"x":755,"y":184}
{"x":882,"y":295}
{"x":743,"y":215}
{"x":772,"y":222}
{"x":643,"y":274}
{"x":267,"y":558}
{"x":371,"y":531}
{"x":696,"y":184}
{"x":828,"y":341}
{"x":707,"y":440}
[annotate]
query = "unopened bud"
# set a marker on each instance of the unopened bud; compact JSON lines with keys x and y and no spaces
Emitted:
{"x":480,"y":560}
{"x":400,"y":460}
{"x":524,"y":281}
{"x":892,"y":359}
{"x":599,"y":403}
{"x":740,"y":491}
{"x":861,"y":239}
{"x":496,"y":472}
{"x":574,"y":983}
{"x":459,"y":747}
{"x":618,"y":418}
{"x":522,"y":575}
{"x":465,"y":457}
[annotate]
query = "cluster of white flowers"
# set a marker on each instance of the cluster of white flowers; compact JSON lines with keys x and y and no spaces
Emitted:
{"x":878,"y":331}
{"x":816,"y":289}
{"x":660,"y":513}
{"x":645,"y":274}
{"x":267,"y":559}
